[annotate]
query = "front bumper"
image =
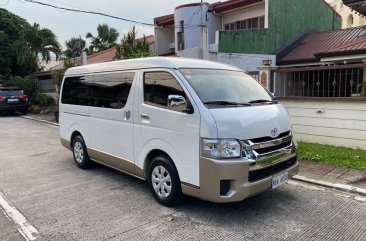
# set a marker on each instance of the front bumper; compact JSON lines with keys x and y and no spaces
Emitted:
{"x":241,"y":177}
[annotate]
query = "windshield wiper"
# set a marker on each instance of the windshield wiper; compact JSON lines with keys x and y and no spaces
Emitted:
{"x":263,"y":101}
{"x":222,"y":102}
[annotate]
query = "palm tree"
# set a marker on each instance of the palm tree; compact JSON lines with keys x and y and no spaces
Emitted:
{"x":74,"y":47}
{"x":36,"y":41}
{"x":105,"y":39}
{"x":43,"y":42}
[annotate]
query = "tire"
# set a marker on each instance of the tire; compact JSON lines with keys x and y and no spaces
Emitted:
{"x":24,"y":112}
{"x":80,"y":153}
{"x":162,"y":176}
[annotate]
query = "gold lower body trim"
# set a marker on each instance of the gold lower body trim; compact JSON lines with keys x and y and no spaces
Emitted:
{"x":117,"y":163}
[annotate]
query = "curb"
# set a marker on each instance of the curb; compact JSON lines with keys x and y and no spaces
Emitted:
{"x":337,"y":186}
{"x":43,"y":121}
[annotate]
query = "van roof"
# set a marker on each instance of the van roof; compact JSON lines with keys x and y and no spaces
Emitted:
{"x":151,"y":62}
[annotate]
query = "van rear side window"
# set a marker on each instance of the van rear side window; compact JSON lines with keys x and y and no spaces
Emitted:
{"x":108,"y":90}
{"x":77,"y":90}
{"x":111,"y":90}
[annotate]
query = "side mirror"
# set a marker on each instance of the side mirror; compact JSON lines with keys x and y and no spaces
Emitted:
{"x":177,"y":103}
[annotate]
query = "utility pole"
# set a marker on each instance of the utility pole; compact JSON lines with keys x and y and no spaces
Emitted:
{"x":201,"y":30}
{"x":204,"y":37}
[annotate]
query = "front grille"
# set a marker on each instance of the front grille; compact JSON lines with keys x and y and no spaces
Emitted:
{"x":256,"y":175}
{"x":267,"y":138}
{"x":273,"y":148}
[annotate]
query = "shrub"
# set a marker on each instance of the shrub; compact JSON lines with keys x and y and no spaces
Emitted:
{"x":43,"y":100}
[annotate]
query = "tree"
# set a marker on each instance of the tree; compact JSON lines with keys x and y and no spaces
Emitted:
{"x":74,"y":47}
{"x":131,"y":47}
{"x":105,"y":39}
{"x":42,"y":41}
{"x":21,"y":44}
{"x":12,"y":29}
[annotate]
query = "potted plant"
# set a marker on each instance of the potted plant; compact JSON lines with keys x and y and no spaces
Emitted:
{"x":361,"y":89}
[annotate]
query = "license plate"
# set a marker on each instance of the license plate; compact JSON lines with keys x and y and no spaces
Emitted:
{"x":13,"y":100}
{"x":279,"y":180}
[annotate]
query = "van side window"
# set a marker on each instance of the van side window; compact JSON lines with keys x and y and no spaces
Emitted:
{"x":111,"y":90}
{"x":76,"y":90}
{"x":158,"y":86}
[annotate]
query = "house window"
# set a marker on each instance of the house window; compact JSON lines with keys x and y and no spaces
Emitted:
{"x":321,"y":83}
{"x":350,"y":21}
{"x":180,"y":36}
{"x":251,"y":23}
{"x":261,"y":22}
{"x":243,"y":24}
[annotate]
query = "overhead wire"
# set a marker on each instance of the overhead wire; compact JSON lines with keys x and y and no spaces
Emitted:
{"x":77,"y":9}
{"x":89,"y":12}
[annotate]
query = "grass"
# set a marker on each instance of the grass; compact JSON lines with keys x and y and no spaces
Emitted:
{"x":334,"y":155}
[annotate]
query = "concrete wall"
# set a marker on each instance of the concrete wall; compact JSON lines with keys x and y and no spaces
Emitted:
{"x":163,"y":38}
{"x":331,"y":121}
{"x":242,"y":14}
{"x":192,"y":20}
{"x":214,"y":23}
{"x":246,"y":62}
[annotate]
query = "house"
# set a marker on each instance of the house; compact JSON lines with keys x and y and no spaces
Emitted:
{"x":243,"y":33}
{"x":357,"y":5}
{"x":350,"y":18}
{"x":295,"y":48}
{"x":321,"y":79}
{"x":45,"y":81}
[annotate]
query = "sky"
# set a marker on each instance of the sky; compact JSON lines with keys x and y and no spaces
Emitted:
{"x":69,"y":24}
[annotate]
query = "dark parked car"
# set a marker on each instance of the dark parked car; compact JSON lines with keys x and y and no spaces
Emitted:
{"x":13,"y":99}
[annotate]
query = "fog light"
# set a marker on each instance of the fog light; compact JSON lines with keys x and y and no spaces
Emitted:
{"x":224,"y":187}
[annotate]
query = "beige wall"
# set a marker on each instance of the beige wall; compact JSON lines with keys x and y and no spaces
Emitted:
{"x":164,"y":37}
{"x":333,"y":122}
{"x":242,"y":14}
{"x":347,"y":15}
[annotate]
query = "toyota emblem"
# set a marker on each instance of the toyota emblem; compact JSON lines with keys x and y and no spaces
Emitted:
{"x":274,"y":132}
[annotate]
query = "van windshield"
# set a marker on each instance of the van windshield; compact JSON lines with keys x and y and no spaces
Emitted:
{"x":226,"y":88}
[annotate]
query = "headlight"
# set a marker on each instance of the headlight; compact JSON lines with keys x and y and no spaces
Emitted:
{"x":220,"y":148}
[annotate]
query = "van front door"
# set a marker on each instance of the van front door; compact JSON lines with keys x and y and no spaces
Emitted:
{"x":173,"y":131}
{"x":111,"y":122}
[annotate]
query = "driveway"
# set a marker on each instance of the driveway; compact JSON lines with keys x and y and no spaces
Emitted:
{"x":39,"y":178}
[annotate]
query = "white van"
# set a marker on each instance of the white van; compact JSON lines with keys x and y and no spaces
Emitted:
{"x":186,"y":126}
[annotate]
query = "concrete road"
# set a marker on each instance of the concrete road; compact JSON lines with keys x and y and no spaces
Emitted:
{"x":40,"y":180}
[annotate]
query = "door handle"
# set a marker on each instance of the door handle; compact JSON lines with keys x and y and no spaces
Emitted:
{"x":144,"y":116}
{"x":128,"y":114}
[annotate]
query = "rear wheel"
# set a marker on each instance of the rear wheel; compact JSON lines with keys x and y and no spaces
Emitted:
{"x":24,"y":112}
{"x":80,"y":153}
{"x":164,"y":181}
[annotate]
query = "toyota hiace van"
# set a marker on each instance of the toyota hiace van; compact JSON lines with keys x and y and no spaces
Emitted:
{"x":186,"y":126}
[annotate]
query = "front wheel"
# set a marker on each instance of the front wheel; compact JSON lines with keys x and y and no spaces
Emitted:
{"x":164,"y":181}
{"x":80,"y":153}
